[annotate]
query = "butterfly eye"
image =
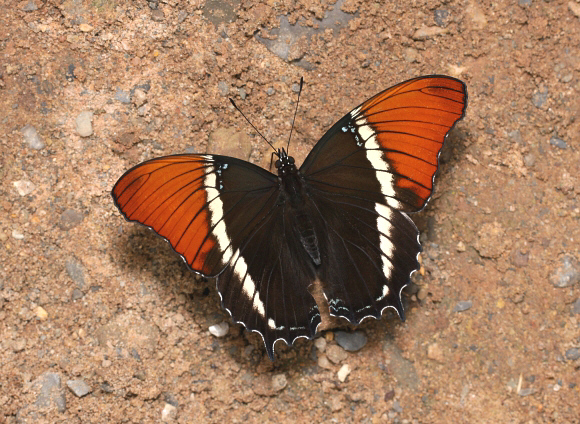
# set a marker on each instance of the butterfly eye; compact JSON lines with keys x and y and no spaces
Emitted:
{"x":291,"y":160}
{"x":277,"y":164}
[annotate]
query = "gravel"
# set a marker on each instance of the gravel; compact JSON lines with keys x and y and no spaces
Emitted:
{"x":32,"y":138}
{"x":219,"y":330}
{"x":462,"y":306}
{"x":566,"y":274}
{"x":351,"y":341}
{"x":79,"y":387}
{"x":84,"y":123}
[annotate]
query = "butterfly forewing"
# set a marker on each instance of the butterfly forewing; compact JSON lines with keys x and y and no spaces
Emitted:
{"x":394,"y":139}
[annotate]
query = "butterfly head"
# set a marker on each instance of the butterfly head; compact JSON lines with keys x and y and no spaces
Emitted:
{"x":284,"y":164}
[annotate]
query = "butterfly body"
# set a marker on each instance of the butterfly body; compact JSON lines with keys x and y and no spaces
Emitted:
{"x":340,"y":218}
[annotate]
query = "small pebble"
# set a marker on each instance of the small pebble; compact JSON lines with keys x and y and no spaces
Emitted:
{"x":77,"y":294}
{"x":323,"y":362}
{"x":17,"y":235}
{"x":351,"y":341}
{"x":336,"y":354}
{"x":320,"y":343}
{"x":279,"y":381}
{"x":169,"y":413}
{"x":558,"y":142}
{"x":223,"y":88}
{"x":343,"y":373}
{"x":84,"y":123}
{"x":79,"y":387}
{"x":32,"y":138}
{"x":270,"y":91}
{"x":41,"y":313}
{"x":397,"y":407}
{"x":526,"y":392}
{"x":529,"y":160}
{"x":50,"y":391}
{"x":573,"y":354}
{"x":462,"y":306}
{"x":85,"y":27}
{"x":219,"y":330}
{"x":75,"y":271}
{"x":566,"y":274}
{"x":30,"y":6}
{"x":441,"y":17}
{"x":123,"y":96}
{"x":23,"y":187}
{"x":460,"y":247}
{"x":435,"y":353}
{"x":19,"y":345}
{"x":576,"y":307}
{"x":540,"y":97}
{"x":139,"y":97}
{"x":70,"y":219}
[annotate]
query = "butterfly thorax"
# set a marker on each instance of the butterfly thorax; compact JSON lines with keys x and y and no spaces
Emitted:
{"x":293,"y":194}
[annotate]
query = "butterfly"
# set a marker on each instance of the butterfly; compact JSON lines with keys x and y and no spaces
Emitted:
{"x":340,"y":218}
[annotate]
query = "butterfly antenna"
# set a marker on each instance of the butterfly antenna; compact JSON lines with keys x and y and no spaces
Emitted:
{"x":296,"y":110}
{"x":238,"y":109}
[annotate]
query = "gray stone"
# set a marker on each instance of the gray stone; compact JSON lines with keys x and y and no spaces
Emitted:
{"x":123,"y":96}
{"x":462,"y":306}
{"x":573,"y":354}
{"x":576,"y":307}
{"x":526,"y":392}
{"x":567,"y":274}
{"x":539,"y":98}
{"x":49,"y":386}
{"x":351,"y":341}
{"x":32,"y":138}
{"x":30,"y":6}
{"x":84,"y":123}
{"x":558,"y":142}
{"x":79,"y":387}
{"x":77,"y":294}
{"x":75,"y":271}
{"x":441,"y":17}
{"x":223,"y":88}
{"x":70,"y":219}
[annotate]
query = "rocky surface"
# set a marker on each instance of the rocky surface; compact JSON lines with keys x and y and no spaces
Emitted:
{"x":90,"y":88}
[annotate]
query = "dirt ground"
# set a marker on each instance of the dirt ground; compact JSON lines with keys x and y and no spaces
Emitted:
{"x":101,"y":322}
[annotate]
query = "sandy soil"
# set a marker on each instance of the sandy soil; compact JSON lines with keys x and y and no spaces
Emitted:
{"x":101,"y":322}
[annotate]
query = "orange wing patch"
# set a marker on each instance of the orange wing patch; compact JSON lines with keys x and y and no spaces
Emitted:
{"x":168,"y":196}
{"x":411,"y":121}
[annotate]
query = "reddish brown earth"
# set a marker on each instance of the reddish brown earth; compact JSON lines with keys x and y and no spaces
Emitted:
{"x":90,"y":301}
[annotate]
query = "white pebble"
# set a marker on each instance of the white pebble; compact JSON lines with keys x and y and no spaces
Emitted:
{"x":169,"y":413}
{"x":24,"y":187}
{"x":84,"y":123}
{"x":219,"y":330}
{"x":32,"y":138}
{"x":343,"y":372}
{"x":17,"y":235}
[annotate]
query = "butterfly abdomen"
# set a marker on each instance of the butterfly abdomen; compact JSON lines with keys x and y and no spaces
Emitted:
{"x":305,"y":229}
